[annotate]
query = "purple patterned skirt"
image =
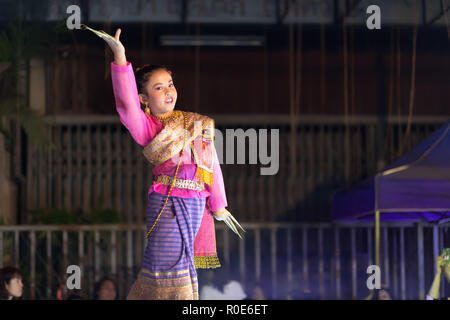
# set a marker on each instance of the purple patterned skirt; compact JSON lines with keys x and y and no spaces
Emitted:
{"x":168,"y":270}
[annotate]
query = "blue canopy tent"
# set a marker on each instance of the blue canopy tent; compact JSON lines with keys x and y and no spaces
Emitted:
{"x":414,"y":188}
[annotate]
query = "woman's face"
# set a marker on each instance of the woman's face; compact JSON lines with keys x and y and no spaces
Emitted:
{"x":15,"y":287}
{"x":161,"y":92}
{"x":107,"y":291}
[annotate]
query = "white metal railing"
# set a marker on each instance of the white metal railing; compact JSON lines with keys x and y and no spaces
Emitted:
{"x":303,"y":261}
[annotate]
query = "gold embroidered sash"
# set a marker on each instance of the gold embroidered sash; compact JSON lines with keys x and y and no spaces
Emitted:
{"x":200,"y":136}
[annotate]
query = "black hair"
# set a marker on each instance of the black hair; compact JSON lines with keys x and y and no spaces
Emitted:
{"x":75,"y":295}
{"x":144,"y":73}
{"x":6,"y":275}
{"x":99,"y":284}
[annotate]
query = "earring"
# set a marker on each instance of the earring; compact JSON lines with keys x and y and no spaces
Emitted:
{"x":147,"y":109}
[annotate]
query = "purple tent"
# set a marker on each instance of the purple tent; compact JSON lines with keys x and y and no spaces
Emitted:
{"x":414,"y":188}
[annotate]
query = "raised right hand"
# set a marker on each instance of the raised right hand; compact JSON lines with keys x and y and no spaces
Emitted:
{"x":117,"y":48}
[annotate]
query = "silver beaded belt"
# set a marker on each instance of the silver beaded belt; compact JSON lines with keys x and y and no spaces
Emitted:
{"x":180,"y":183}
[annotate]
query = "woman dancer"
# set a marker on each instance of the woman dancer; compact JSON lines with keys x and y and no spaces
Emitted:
{"x":188,"y":191}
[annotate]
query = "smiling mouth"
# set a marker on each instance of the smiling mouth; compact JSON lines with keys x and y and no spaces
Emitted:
{"x":170,"y":100}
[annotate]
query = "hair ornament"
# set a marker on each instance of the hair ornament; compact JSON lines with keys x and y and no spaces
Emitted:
{"x":144,"y":66}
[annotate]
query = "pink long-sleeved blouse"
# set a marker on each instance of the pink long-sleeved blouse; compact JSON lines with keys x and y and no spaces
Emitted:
{"x":143,"y":128}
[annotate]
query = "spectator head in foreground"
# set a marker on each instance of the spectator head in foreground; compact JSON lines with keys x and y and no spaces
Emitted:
{"x":11,"y":286}
{"x":105,"y":289}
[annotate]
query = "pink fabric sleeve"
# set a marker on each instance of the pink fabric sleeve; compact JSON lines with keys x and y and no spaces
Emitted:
{"x":217,"y":199}
{"x":143,"y":128}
